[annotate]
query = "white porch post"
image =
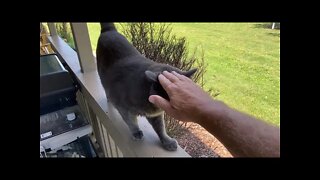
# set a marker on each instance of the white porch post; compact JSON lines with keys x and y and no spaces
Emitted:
{"x":83,"y":47}
{"x":52,"y":29}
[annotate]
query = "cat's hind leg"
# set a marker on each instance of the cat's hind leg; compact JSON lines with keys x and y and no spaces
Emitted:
{"x":158,"y":125}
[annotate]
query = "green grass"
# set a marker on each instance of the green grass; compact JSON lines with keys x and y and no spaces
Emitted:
{"x":243,"y":63}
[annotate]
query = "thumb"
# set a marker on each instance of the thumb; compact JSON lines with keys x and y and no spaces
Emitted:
{"x":160,"y":102}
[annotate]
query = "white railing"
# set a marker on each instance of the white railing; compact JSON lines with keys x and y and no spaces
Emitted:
{"x":110,"y":132}
{"x":105,"y":143}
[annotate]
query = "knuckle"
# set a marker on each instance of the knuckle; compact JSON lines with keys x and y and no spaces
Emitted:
{"x":172,"y":87}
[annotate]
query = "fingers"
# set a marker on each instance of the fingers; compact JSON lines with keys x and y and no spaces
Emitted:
{"x":170,"y":76}
{"x":179,"y":76}
{"x":165,"y":83}
{"x":169,"y":81}
{"x":160,"y":102}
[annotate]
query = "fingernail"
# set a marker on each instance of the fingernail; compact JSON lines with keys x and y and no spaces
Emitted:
{"x":151,"y":99}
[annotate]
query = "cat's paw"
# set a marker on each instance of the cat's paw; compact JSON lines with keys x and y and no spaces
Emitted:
{"x":170,"y":144}
{"x":138,"y":136}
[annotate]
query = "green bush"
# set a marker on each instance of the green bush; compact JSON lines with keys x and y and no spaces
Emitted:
{"x":65,"y":32}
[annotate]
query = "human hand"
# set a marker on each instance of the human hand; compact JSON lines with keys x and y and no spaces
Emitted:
{"x":188,"y":102}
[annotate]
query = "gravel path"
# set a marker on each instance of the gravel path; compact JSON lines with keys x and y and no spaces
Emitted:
{"x":199,"y":143}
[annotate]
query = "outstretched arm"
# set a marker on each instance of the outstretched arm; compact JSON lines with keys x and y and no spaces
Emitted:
{"x":242,"y":134}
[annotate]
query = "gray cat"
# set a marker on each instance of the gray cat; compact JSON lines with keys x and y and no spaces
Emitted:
{"x":129,"y":79}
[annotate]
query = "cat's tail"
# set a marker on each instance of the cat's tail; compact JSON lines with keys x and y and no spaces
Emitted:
{"x":107,"y":27}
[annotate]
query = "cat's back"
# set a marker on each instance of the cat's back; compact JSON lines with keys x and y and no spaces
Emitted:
{"x":122,"y":68}
{"x":113,"y":46}
{"x":129,"y":72}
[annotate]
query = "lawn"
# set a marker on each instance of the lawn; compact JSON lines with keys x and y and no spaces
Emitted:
{"x":243,"y":63}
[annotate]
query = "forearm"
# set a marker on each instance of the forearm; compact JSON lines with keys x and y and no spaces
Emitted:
{"x":241,"y":134}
